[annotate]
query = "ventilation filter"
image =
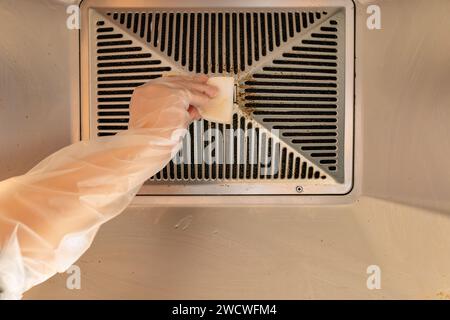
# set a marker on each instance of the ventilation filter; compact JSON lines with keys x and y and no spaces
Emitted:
{"x":292,"y":130}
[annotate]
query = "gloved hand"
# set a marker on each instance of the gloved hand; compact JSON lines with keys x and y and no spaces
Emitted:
{"x":174,"y":91}
{"x":50,"y":215}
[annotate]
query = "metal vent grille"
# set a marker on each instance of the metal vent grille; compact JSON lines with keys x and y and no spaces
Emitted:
{"x":244,"y":152}
{"x":289,"y":65}
{"x":121,"y":67}
{"x":216,"y":42}
{"x":298,"y":93}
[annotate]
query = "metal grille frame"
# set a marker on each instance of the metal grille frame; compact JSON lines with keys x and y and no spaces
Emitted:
{"x":300,"y":173}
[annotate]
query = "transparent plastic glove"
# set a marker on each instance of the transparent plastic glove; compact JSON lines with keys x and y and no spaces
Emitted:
{"x":49,"y":216}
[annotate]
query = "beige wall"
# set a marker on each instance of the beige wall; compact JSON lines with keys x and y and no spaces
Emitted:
{"x":404,"y":83}
{"x":37,"y":68}
{"x":264,"y":252}
{"x":314,"y":252}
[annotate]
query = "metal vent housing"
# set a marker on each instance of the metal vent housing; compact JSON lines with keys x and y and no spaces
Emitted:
{"x":292,"y":131}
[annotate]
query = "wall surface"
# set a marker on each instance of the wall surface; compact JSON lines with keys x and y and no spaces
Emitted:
{"x":405,"y":99}
{"x":401,"y":223}
{"x":264,"y":253}
{"x":38,"y":67}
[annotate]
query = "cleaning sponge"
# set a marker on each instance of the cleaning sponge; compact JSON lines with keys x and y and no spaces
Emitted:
{"x":220,"y":109}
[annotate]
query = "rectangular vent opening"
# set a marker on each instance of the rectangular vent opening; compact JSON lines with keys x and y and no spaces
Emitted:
{"x":293,"y":125}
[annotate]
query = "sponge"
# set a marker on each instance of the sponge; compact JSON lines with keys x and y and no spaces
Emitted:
{"x":220,"y":109}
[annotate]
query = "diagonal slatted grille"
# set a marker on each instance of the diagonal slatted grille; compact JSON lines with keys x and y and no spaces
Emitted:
{"x":216,"y":42}
{"x":298,"y":93}
{"x":239,"y":151}
{"x":121,"y":67}
{"x":244,"y":153}
{"x":288,"y":64}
